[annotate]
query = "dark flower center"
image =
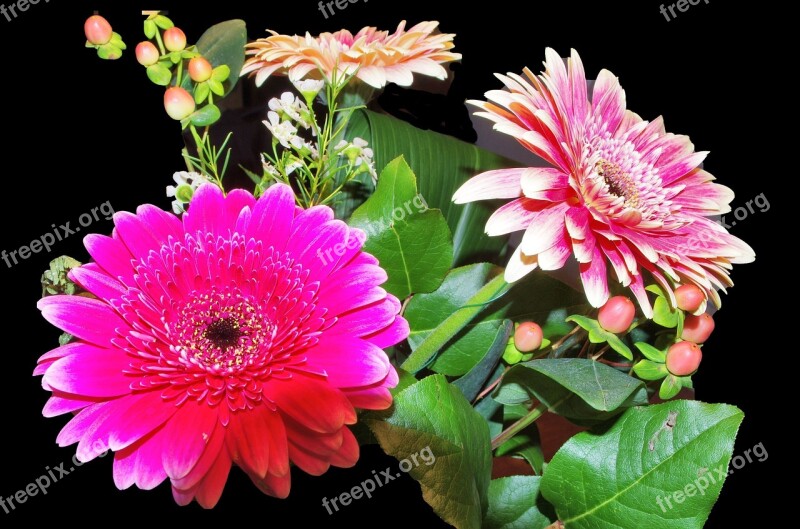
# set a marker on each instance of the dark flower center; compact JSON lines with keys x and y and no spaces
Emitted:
{"x":223,"y":333}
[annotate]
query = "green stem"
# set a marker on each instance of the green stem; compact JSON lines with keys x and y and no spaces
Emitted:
{"x":160,"y":43}
{"x":520,"y":425}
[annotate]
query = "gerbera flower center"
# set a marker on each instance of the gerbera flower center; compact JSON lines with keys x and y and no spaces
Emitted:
{"x":619,"y":182}
{"x":223,"y":331}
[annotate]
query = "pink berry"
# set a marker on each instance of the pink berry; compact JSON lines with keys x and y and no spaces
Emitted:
{"x":528,"y":337}
{"x":98,"y":30}
{"x":617,"y":314}
{"x":697,"y":328}
{"x":683,"y":358}
{"x":178,"y":103}
{"x":174,"y":39}
{"x":689,"y":297}
{"x":146,"y":53}
{"x":200,"y":69}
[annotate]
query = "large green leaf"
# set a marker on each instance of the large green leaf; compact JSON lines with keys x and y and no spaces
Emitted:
{"x":223,"y":43}
{"x":442,"y":163}
{"x":576,"y":388}
{"x":533,"y":298}
{"x":411,"y":241}
{"x":512,"y":504}
{"x":434,"y":414}
{"x":659,"y":467}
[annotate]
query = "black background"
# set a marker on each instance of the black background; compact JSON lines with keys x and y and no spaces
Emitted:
{"x":78,"y":131}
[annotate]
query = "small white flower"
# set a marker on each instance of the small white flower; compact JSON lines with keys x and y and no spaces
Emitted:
{"x":186,"y":184}
{"x":268,"y":167}
{"x":309,"y":87}
{"x":291,"y":106}
{"x":292,"y":166}
{"x":283,"y":131}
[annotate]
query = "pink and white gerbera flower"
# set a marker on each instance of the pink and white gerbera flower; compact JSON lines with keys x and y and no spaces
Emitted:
{"x":219,"y":339}
{"x":620,"y":190}
{"x":375,"y":57}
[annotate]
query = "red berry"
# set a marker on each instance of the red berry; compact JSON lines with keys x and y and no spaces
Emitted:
{"x":178,"y":103}
{"x":200,"y":69}
{"x":689,"y":297}
{"x":617,"y":314}
{"x":683,"y":358}
{"x":98,"y":30}
{"x":528,"y":337}
{"x":146,"y":53}
{"x":697,"y":328}
{"x":174,"y":39}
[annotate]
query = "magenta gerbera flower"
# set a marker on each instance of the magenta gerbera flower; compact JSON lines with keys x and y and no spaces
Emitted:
{"x":245,"y":334}
{"x":621,"y":190}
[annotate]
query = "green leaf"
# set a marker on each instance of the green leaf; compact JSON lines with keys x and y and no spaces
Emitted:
{"x":447,"y":329}
{"x":471,"y":383}
{"x":223,"y":44}
{"x":663,"y":314}
{"x":150,"y":29}
{"x":599,"y":335}
{"x":462,"y":350}
{"x":412,"y":243}
{"x":575,"y":388}
{"x":216,"y":86}
{"x":162,"y":22}
{"x":221,"y":73}
{"x":670,"y":387}
{"x":201,"y":93}
{"x":159,"y":74}
{"x":512,"y":504}
{"x":622,"y":477}
{"x":55,"y":279}
{"x":109,"y":52}
{"x":650,"y":352}
{"x":208,"y":115}
{"x":435,"y":415}
{"x":442,"y":164}
{"x":649,"y":370}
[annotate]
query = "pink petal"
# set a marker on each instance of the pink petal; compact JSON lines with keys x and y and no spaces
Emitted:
{"x":349,"y":361}
{"x":187,"y":435}
{"x":312,"y":403}
{"x":500,"y":183}
{"x":87,"y":319}
{"x":595,"y":282}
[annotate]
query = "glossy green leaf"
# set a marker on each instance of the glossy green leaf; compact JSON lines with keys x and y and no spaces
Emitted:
{"x":537,"y":297}
{"x":575,"y":388}
{"x":441,"y":163}
{"x":670,"y":387}
{"x":412,"y":243}
{"x":650,"y":352}
{"x":512,"y":504}
{"x":659,"y":467}
{"x":434,"y":415}
{"x":649,"y":370}
{"x":208,"y":115}
{"x":159,"y":74}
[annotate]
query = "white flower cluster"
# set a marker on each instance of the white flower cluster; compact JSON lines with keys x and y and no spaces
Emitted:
{"x":359,"y":154}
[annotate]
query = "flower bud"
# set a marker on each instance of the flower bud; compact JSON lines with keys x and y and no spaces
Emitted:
{"x":698,"y":328}
{"x":528,"y":337}
{"x":178,"y":103}
{"x":617,"y":314}
{"x":146,"y":53}
{"x":98,"y":30}
{"x":174,"y":39}
{"x":683,"y":358}
{"x":200,"y":69}
{"x":689,"y":297}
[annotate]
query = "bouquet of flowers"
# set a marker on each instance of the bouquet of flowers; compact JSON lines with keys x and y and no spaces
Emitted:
{"x":379,"y":283}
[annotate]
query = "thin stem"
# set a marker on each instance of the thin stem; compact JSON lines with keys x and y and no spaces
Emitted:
{"x":520,"y":425}
{"x":491,"y":386}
